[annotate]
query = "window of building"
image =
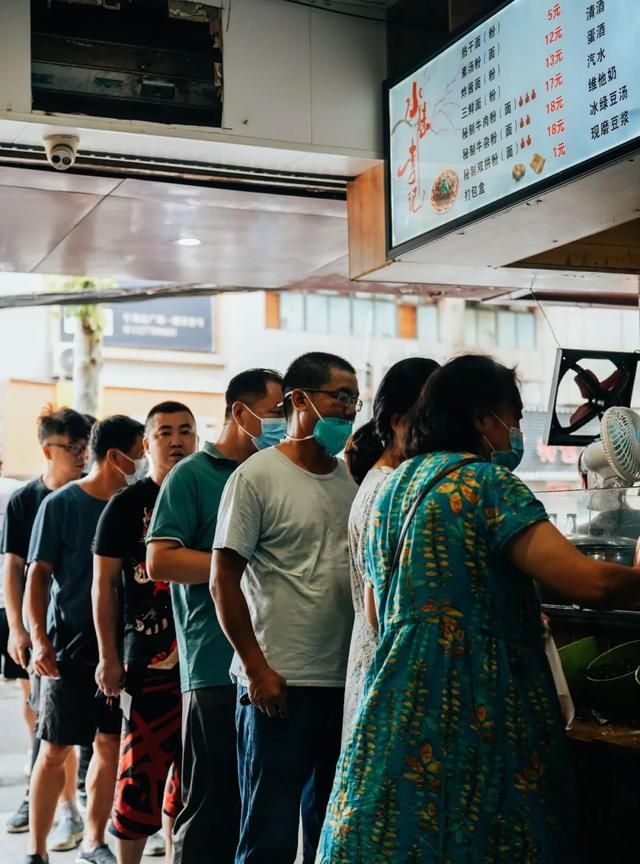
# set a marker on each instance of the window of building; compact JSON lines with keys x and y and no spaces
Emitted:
{"x":507,"y":329}
{"x":428,"y":323}
{"x":526,"y":331}
{"x":292,"y":311}
{"x":362,"y":316}
{"x":486,"y":328}
{"x":340,"y":316}
{"x":385,"y":320}
{"x":356,"y":315}
{"x":495,"y":327}
{"x":317,"y":313}
{"x":470,"y":326}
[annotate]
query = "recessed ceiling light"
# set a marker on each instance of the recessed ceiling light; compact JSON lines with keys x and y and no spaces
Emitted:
{"x":188,"y":241}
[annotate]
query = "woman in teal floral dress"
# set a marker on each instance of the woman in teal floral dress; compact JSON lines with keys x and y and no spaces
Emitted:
{"x":458,"y":753}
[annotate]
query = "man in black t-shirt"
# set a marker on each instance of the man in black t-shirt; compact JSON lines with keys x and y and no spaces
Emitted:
{"x":144,"y":661}
{"x":63,"y":436}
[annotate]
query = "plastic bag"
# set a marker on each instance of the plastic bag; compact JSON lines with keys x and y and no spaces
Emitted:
{"x":562,"y":688}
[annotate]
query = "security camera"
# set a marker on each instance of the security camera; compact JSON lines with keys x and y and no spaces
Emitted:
{"x":61,"y":150}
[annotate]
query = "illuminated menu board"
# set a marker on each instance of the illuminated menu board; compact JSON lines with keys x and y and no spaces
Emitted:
{"x":538,"y":89}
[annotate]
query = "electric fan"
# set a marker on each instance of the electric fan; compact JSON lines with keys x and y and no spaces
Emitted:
{"x":613,"y":460}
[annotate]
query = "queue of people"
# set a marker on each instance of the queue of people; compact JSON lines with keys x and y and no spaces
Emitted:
{"x":352,"y":649}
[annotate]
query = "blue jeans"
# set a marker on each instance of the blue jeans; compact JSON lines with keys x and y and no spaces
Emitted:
{"x":286,"y":769}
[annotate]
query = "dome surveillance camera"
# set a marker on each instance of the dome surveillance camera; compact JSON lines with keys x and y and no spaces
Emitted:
{"x":61,"y":150}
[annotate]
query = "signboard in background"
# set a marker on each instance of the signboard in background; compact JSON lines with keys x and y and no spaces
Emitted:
{"x":165,"y":323}
{"x":539,"y":88}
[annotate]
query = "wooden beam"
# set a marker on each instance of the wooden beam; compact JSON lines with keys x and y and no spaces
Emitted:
{"x":366,"y":222}
{"x":616,"y":250}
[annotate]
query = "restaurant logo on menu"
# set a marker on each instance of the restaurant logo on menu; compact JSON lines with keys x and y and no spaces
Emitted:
{"x":536,"y":89}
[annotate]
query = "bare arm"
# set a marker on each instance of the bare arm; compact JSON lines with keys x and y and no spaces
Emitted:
{"x":370,"y":609}
{"x":19,"y":640}
{"x":545,"y":554}
{"x":36,"y":598}
{"x":267,"y":689}
{"x":169,"y":561}
{"x":104,"y":599}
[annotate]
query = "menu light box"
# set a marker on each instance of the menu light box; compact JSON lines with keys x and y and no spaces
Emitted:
{"x":537,"y":94}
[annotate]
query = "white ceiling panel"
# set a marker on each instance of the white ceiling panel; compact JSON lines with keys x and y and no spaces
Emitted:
{"x":34,"y":221}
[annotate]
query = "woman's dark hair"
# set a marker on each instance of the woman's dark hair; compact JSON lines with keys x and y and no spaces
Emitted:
{"x":464,"y":389}
{"x":397,"y":393}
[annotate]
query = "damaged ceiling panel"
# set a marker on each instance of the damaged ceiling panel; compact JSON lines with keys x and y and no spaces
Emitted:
{"x":166,"y":69}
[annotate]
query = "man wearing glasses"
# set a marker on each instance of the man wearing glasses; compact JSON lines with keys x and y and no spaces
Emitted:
{"x":63,"y":436}
{"x":65,"y":651}
{"x":282,"y":524}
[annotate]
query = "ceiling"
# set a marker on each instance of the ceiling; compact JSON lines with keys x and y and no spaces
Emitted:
{"x":127,"y":229}
{"x":368,"y":8}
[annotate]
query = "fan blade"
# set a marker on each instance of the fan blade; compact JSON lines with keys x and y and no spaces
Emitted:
{"x":583,"y":414}
{"x":588,"y":384}
{"x":612,"y":383}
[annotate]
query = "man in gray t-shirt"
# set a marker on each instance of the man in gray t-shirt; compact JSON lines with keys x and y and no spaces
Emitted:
{"x":282,"y":523}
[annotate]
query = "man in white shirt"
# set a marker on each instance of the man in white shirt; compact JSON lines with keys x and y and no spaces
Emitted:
{"x":283,"y":524}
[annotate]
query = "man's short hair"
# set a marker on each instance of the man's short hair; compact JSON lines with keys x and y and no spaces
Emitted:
{"x":311,"y":370}
{"x":117,"y":432}
{"x":167,"y":408}
{"x":249,"y":386}
{"x":64,"y":421}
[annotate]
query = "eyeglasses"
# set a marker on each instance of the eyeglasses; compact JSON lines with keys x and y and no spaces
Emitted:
{"x":72,"y":449}
{"x":342,"y":397}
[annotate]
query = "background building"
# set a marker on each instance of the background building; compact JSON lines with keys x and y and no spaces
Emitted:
{"x":188,"y":348}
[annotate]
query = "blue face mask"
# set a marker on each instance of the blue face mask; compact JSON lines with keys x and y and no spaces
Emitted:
{"x":508,"y":458}
{"x":331,"y":433}
{"x":272,"y":431}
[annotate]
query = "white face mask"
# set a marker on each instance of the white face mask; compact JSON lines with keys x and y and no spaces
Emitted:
{"x":140,"y":469}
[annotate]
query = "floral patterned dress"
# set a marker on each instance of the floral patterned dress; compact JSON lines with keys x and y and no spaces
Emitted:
{"x":363,"y":639}
{"x":458,"y":753}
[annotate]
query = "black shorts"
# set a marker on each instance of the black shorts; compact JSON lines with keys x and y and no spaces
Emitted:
{"x":10,"y":670}
{"x":70,"y":711}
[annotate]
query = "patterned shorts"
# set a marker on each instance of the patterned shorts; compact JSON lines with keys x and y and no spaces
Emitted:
{"x":150,"y":752}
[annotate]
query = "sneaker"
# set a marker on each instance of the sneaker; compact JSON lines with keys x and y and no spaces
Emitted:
{"x":155,"y":845}
{"x":67,"y":834}
{"x":19,"y":822}
{"x":100,"y":855}
{"x":36,"y":859}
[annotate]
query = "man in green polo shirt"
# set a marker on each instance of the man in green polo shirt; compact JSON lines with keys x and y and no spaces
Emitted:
{"x":180,"y":539}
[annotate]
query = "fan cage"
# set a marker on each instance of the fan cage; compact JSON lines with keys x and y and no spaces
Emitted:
{"x":620,"y":440}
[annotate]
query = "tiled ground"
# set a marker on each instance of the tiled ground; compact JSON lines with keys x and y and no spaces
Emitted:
{"x":13,"y":745}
